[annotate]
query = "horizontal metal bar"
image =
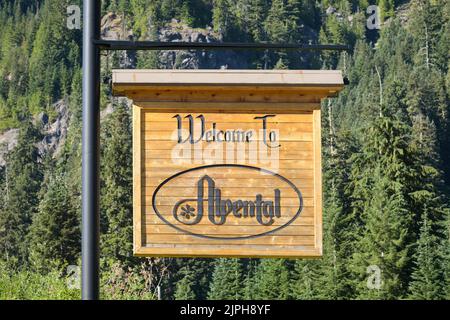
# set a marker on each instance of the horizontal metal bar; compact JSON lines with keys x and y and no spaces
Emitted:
{"x":155,"y":45}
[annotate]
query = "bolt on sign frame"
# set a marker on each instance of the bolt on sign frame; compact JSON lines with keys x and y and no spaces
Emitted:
{"x":227,"y":163}
{"x":92,"y":46}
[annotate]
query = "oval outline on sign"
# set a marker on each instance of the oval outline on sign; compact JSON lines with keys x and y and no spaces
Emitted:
{"x":300,"y":197}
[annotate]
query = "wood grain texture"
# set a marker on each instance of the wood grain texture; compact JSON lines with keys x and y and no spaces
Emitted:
{"x":297,"y":160}
{"x":270,"y":78}
{"x":229,"y":107}
{"x":227,"y":85}
{"x":137,"y":176}
{"x":318,"y":179}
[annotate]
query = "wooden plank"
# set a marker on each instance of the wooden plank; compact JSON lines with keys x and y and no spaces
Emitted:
{"x":165,"y":212}
{"x":216,"y":117}
{"x":170,"y":126}
{"x":262,"y":182}
{"x":222,"y":107}
{"x":171,"y":132}
{"x":303,"y":240}
{"x":224,"y":95}
{"x":245,"y":191}
{"x":287,"y":146}
{"x":137,"y":173}
{"x":228,"y":231}
{"x":168,"y":172}
{"x":208,"y":78}
{"x":172,"y":137}
{"x":306,"y":218}
{"x":164,"y":155}
{"x":318,"y":179}
{"x":305,"y":137}
{"x":170,"y":200}
{"x":236,"y":251}
{"x":166,"y":206}
{"x":283,"y":164}
{"x":287,"y":213}
{"x":136,"y":89}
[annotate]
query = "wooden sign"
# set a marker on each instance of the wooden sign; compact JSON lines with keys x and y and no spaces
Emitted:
{"x":227,"y":163}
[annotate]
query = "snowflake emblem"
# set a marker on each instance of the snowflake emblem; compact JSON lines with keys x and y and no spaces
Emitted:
{"x":187,"y":211}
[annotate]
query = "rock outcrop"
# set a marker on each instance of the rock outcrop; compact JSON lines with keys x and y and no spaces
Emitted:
{"x":54,"y":133}
{"x":8,"y":140}
{"x":197,"y":59}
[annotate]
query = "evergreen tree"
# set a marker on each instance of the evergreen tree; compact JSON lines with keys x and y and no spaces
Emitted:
{"x":54,"y":233}
{"x":272,"y":280}
{"x":386,"y":8}
{"x":446,"y":260}
{"x":386,"y":238}
{"x":249,"y":282}
{"x":117,"y":185}
{"x":276,"y":23}
{"x":23,"y":177}
{"x":223,"y":18}
{"x":428,"y":276}
{"x":256,"y":18}
{"x":306,"y":280}
{"x":339,"y":223}
{"x":185,"y":287}
{"x":199,"y":273}
{"x":384,"y":243}
{"x":226,"y":280}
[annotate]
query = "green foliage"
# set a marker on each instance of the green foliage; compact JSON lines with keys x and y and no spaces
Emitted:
{"x":23,"y":176}
{"x":26,"y":285}
{"x":276,"y":22}
{"x":306,"y":278}
{"x":272,"y":280}
{"x":54,"y":233}
{"x":446,"y":258}
{"x":184,"y":289}
{"x":223,"y":19}
{"x":387,"y":212}
{"x":226,"y":280}
{"x":386,"y":8}
{"x":428,"y":281}
{"x":117,"y":185}
{"x":119,"y":282}
{"x":51,"y":63}
{"x":384,"y":242}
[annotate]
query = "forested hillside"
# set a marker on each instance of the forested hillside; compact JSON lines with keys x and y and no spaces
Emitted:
{"x":386,"y":148}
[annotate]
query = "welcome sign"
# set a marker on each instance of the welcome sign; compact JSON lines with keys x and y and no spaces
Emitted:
{"x":227,"y":163}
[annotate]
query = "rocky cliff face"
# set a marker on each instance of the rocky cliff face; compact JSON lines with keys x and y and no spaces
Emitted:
{"x":8,"y":140}
{"x":54,"y":133}
{"x":197,"y":59}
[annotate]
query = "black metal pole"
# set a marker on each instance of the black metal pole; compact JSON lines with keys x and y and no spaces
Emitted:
{"x":91,"y":144}
{"x":156,"y":45}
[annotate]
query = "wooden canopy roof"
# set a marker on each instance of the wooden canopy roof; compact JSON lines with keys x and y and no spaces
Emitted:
{"x":280,"y":86}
